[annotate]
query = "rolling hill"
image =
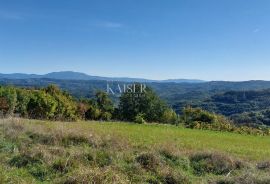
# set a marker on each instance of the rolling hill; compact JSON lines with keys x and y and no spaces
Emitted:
{"x":70,"y":75}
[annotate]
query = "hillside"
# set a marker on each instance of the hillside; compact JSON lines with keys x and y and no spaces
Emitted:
{"x":93,"y":152}
{"x":245,"y":102}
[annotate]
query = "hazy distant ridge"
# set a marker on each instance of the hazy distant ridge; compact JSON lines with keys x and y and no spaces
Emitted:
{"x":69,"y":75}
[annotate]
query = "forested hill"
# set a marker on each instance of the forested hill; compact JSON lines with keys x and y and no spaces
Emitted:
{"x":243,"y":101}
{"x":169,"y":91}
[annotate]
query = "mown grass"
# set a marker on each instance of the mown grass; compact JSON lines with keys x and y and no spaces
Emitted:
{"x":96,"y":152}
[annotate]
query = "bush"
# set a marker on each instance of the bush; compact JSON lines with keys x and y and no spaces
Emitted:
{"x":139,"y":119}
{"x":170,"y":117}
{"x":218,"y":164}
{"x":148,"y":161}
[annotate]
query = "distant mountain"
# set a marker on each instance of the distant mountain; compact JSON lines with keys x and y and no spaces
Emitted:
{"x":70,"y":75}
{"x":184,"y":81}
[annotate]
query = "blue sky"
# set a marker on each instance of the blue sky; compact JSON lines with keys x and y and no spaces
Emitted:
{"x":155,"y":39}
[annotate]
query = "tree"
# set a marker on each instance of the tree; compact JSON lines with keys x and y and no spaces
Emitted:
{"x":104,"y":104}
{"x":8,"y":99}
{"x":66,"y":108}
{"x":141,"y":102}
{"x":41,"y":106}
{"x":23,"y":98}
{"x":170,"y":117}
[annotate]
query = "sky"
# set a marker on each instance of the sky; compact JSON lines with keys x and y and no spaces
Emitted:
{"x":154,"y":39}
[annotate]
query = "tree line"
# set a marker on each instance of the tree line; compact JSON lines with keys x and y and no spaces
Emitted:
{"x":52,"y":103}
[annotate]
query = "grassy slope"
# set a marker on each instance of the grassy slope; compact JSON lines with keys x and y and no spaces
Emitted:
{"x":107,"y":152}
{"x":248,"y":147}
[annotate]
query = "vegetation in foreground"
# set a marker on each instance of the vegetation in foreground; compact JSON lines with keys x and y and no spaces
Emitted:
{"x":34,"y":151}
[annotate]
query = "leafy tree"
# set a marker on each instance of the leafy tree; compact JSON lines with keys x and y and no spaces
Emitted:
{"x":103,"y":101}
{"x":66,"y":108}
{"x":23,"y":98}
{"x":8,"y":99}
{"x":145,"y":102}
{"x":170,"y":117}
{"x":41,"y":106}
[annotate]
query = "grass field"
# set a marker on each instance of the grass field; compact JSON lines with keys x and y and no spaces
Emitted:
{"x":94,"y":152}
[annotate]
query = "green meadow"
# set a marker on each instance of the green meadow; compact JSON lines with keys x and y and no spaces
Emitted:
{"x":34,"y":151}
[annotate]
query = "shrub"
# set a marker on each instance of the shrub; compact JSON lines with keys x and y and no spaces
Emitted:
{"x":218,"y":164}
{"x":170,"y":117}
{"x":8,"y":99}
{"x":139,"y":119}
{"x":106,"y":116}
{"x":148,"y":161}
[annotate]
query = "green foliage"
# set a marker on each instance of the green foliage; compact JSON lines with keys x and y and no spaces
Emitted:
{"x":8,"y":99}
{"x":139,"y":119}
{"x":41,"y":106}
{"x":200,"y":119}
{"x":99,"y":108}
{"x":170,"y":117}
{"x":48,"y":103}
{"x":23,"y":98}
{"x":104,"y":103}
{"x":93,"y":113}
{"x":146,"y":102}
{"x":66,"y":106}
